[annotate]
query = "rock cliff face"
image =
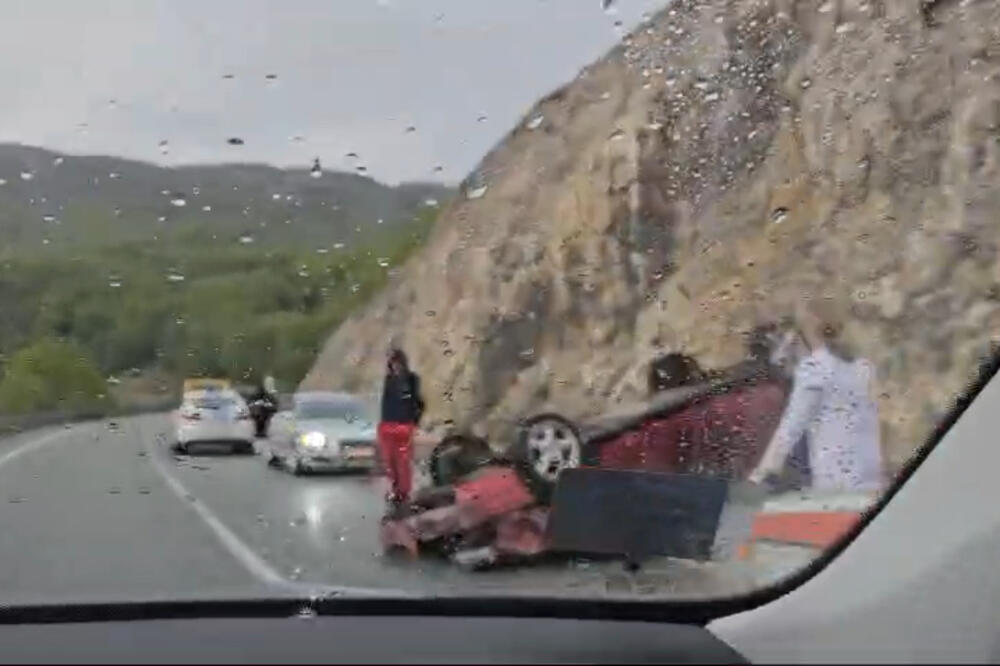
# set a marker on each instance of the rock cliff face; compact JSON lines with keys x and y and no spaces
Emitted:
{"x":728,"y":160}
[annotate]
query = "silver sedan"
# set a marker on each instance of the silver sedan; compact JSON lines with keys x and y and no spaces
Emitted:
{"x":323,"y":431}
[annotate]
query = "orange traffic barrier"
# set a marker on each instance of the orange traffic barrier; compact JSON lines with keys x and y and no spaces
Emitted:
{"x":818,"y":529}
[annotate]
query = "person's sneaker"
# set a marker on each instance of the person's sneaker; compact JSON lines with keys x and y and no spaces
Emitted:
{"x":397,"y":508}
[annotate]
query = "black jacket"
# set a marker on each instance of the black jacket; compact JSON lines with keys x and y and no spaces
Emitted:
{"x":401,"y":400}
{"x":261,"y":394}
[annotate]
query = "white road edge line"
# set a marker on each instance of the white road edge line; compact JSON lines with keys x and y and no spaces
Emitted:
{"x":236,"y":547}
{"x":245,"y":555}
{"x":32,"y":444}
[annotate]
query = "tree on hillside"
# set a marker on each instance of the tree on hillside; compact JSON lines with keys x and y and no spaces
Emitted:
{"x":52,"y":375}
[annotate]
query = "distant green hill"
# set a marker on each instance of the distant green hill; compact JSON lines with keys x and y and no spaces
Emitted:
{"x":115,"y":268}
{"x":73,"y":201}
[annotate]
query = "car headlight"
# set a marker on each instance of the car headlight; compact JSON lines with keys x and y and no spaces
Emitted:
{"x":312,"y":440}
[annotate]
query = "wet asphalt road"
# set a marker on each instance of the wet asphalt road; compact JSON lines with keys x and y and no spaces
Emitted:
{"x":89,"y":513}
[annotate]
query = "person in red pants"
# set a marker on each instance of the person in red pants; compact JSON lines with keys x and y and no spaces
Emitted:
{"x":402,"y":407}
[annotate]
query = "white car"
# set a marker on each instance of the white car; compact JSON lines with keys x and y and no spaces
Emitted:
{"x":214,"y":416}
{"x":323,"y":431}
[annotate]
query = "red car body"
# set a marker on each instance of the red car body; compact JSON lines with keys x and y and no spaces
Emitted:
{"x":721,"y":434}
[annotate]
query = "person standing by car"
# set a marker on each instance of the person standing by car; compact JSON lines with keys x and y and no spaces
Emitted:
{"x":263,"y":403}
{"x":402,"y":409}
{"x":831,"y":404}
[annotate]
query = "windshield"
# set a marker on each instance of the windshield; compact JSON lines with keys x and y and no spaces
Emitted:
{"x":345,"y":411}
{"x":213,"y":402}
{"x":648,"y":299}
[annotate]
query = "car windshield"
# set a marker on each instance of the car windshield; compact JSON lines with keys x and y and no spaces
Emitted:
{"x":214,"y":402}
{"x":642,"y":299}
{"x":331,"y":409}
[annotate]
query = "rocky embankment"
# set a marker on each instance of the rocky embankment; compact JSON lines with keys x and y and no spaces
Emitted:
{"x":726,"y":161}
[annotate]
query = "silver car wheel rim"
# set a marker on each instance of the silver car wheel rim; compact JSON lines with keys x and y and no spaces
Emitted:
{"x":552,"y":447}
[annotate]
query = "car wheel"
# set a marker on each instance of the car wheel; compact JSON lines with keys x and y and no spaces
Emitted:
{"x":455,"y":456}
{"x":180,"y":447}
{"x":246,"y":448}
{"x":546,"y":445}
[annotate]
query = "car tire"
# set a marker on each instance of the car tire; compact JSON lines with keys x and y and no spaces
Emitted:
{"x":546,"y":445}
{"x":180,"y":447}
{"x":245,"y":448}
{"x":455,"y":456}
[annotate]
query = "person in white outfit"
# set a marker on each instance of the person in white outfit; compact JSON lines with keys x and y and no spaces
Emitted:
{"x":831,"y":404}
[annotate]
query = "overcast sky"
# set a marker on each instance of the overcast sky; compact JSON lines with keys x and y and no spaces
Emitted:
{"x":120,"y":76}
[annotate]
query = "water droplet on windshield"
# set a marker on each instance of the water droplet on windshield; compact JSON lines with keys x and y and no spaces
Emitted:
{"x":114,"y":284}
{"x":616,"y":135}
{"x":27,"y":175}
{"x":179,"y":202}
{"x":164,"y":147}
{"x":477,"y":192}
{"x":383,"y":262}
{"x":246,"y":239}
{"x":228,"y":76}
{"x":826,"y":8}
{"x":316,"y":171}
{"x":3,"y":181}
{"x":57,"y":161}
{"x":48,"y":218}
{"x":175,"y":277}
{"x":535,"y":122}
{"x":207,"y":209}
{"x":806,"y":83}
{"x":270,"y":77}
{"x":410,"y":129}
{"x":482,"y":119}
{"x":608,"y":6}
{"x":779,"y":215}
{"x":235,"y":141}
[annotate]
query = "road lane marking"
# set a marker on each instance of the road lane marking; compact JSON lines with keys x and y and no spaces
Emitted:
{"x":32,"y":445}
{"x":236,"y":547}
{"x":245,"y":555}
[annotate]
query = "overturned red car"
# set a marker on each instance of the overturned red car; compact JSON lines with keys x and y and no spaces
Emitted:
{"x":486,"y":508}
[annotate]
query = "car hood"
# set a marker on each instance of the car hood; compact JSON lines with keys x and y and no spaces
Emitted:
{"x":338,"y":428}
